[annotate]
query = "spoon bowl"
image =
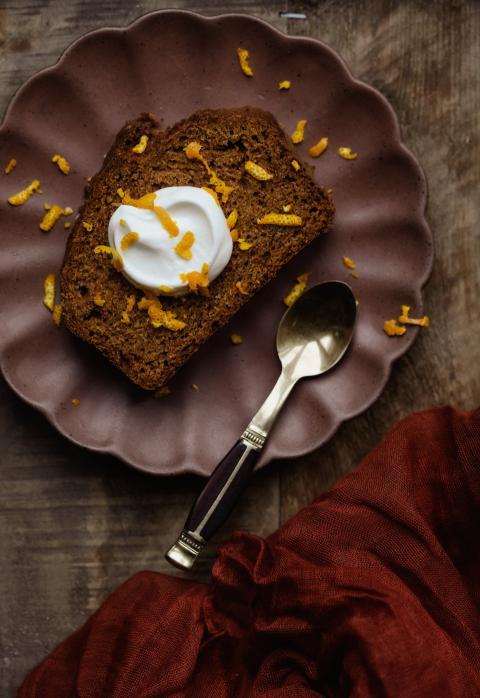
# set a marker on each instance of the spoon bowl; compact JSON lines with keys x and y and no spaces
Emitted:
{"x":315,"y":332}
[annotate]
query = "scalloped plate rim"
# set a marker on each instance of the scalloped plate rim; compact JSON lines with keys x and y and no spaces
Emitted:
{"x":184,"y":468}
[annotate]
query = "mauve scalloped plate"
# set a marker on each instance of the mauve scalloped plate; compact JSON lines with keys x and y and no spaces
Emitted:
{"x":172,"y":63}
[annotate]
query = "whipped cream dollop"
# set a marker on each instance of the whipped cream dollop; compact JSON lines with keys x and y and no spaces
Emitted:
{"x":150,"y":260}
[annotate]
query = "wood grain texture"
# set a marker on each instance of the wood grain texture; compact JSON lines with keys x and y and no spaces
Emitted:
{"x":76,"y":524}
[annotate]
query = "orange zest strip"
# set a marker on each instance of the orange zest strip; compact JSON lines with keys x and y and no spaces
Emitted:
{"x":183,"y":249}
{"x":243,"y":57}
{"x":297,"y":289}
{"x":22,"y":196}
{"x":117,"y":260}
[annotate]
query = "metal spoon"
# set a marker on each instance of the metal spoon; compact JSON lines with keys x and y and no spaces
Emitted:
{"x":312,"y":337}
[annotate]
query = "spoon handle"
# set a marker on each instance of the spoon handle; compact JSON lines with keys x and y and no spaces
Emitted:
{"x":228,"y":480}
{"x":217,"y":499}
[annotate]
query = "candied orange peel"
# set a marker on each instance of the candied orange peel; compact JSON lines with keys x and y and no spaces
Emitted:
{"x":240,"y":287}
{"x":197,"y":281}
{"x":212,"y":193}
{"x":10,"y":166}
{"x":232,"y":219}
{"x":284,"y":85}
{"x":405,"y":318}
{"x":296,"y":165}
{"x":164,"y":318}
{"x":192,"y":151}
{"x":234,"y":234}
{"x":98,"y":300}
{"x":236,"y":338}
{"x":244,"y":245}
{"x":257,"y":171}
{"x":57,"y":314}
{"x":164,"y":391}
{"x":195,"y":387}
{"x":287,"y":208}
{"x":62,"y":163}
{"x":117,"y":261}
{"x":88,"y":226}
{"x":141,"y":145}
{"x":49,"y":292}
{"x":347,"y":153}
{"x":349,"y":263}
{"x":75,"y":401}
{"x":299,"y":133}
{"x":243,"y":58}
{"x":297,"y":289}
{"x":128,"y":309}
{"x":320,"y":147}
{"x":393,"y":329}
{"x":129,"y":239}
{"x":165,"y":289}
{"x":288,"y":219}
{"x":23,"y":196}
{"x":184,"y":247}
{"x":53,"y":213}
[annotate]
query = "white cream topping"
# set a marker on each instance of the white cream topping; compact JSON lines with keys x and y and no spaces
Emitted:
{"x":151,"y":261}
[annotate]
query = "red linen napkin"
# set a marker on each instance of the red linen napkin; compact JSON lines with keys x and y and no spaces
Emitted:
{"x":372,"y":590}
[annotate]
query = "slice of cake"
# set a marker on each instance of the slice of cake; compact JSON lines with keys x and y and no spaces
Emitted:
{"x":243,"y":157}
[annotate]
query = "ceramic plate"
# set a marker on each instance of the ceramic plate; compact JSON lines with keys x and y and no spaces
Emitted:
{"x":171,"y":64}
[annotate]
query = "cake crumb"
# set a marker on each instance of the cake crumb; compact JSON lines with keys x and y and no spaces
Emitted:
{"x":243,"y":58}
{"x":284,"y":85}
{"x":117,"y":261}
{"x":349,"y":263}
{"x":236,"y":339}
{"x":288,"y":219}
{"x":297,"y":289}
{"x":299,"y":133}
{"x":10,"y":166}
{"x":62,"y":163}
{"x":75,"y":401}
{"x":393,"y":329}
{"x":244,"y":245}
{"x":49,"y":292}
{"x":128,"y":240}
{"x":347,"y":153}
{"x":405,"y":318}
{"x":23,"y":196}
{"x":316,"y":150}
{"x":295,"y":165}
{"x":141,"y":145}
{"x":57,"y":314}
{"x":164,"y":391}
{"x":184,"y":247}
{"x":257,"y":171}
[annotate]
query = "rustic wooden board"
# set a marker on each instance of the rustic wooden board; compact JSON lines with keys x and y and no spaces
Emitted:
{"x":76,"y":524}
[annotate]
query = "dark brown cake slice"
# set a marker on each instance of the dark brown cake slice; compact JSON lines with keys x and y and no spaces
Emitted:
{"x":229,"y":138}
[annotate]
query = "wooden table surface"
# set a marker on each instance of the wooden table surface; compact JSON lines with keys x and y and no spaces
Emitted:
{"x":74,"y":524}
